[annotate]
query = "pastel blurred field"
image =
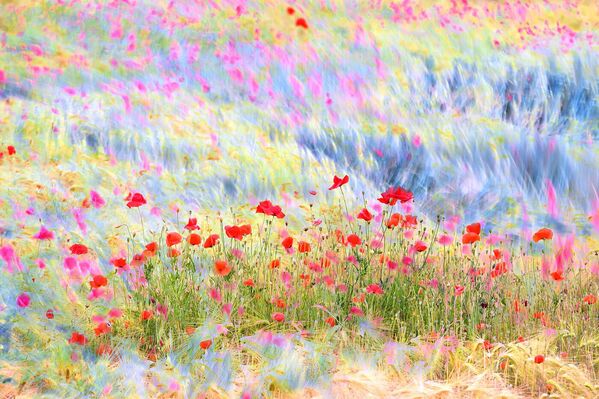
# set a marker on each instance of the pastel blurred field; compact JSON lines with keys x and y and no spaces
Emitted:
{"x":139,"y":141}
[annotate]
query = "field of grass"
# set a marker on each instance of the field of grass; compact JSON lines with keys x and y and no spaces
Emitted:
{"x":261,"y":199}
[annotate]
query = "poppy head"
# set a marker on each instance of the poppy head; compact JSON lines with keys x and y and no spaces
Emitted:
{"x":590,"y":299}
{"x":135,"y":200}
{"x":211,"y":241}
{"x":146,"y":315}
{"x":539,"y":359}
{"x":222,"y":268}
{"x":354,"y":240}
{"x":473,"y":228}
{"x":543,"y":234}
{"x":194,"y":239}
{"x":77,"y":338}
{"x":278,"y":317}
{"x":192,"y":224}
{"x":287,"y":242}
{"x":470,"y":238}
{"x":303,"y":247}
{"x":374,"y":289}
{"x":338,"y":181}
{"x":118,"y":262}
{"x":365,"y":215}
{"x":266,"y":207}
{"x":301,"y":22}
{"x":173,"y":238}
{"x":78,"y":249}
{"x":98,"y":281}
{"x":392,"y":195}
{"x":205,"y":344}
{"x":152,"y":247}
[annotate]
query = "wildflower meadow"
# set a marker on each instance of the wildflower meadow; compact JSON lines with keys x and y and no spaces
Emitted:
{"x":302,"y":199}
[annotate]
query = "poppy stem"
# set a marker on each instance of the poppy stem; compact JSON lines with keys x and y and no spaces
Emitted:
{"x":143,"y":230}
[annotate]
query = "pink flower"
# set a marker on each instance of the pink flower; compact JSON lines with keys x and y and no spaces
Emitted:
{"x":459,"y":290}
{"x":23,"y":300}
{"x":97,"y":200}
{"x":445,"y":239}
{"x":374,"y":289}
{"x":356,"y":311}
{"x":115,"y":313}
{"x":44,"y":234}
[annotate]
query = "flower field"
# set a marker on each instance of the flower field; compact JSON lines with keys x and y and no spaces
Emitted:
{"x":304,"y":199}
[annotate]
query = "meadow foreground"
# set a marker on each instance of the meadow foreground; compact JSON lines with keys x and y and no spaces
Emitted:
{"x":223,"y":199}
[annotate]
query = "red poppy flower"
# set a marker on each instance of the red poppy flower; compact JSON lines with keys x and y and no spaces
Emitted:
{"x":11,"y":150}
{"x":77,"y":338}
{"x":249,"y":282}
{"x":365,"y":215}
{"x":139,"y":259}
{"x":331,"y":321}
{"x":338,"y":182}
{"x":590,"y":299}
{"x":543,"y":234}
{"x":487,"y":345}
{"x":173,"y":252}
{"x":222,"y":268}
{"x":470,"y":238}
{"x":517,"y":307}
{"x":190,"y":330}
{"x":279,"y":303}
{"x":152,"y":247}
{"x":146,"y":315}
{"x":101,"y":329}
{"x":192,"y":224}
{"x":49,"y":314}
{"x":394,"y":220}
{"x":205,"y":344}
{"x":301,"y":22}
{"x":194,"y":239}
{"x":135,"y":200}
{"x":119,"y":262}
{"x":275,"y":264}
{"x":539,"y":359}
{"x":78,"y":249}
{"x":409,"y":221}
{"x":290,"y":10}
{"x":303,"y":247}
{"x":557,"y":275}
{"x":374,"y":289}
{"x":98,"y":281}
{"x":354,"y":240}
{"x":392,"y":195}
{"x":538,"y":315}
{"x":497,"y":254}
{"x":499,"y":269}
{"x":420,"y":246}
{"x":238,"y":232}
{"x":473,"y":228}
{"x":278,"y":317}
{"x":211,"y":241}
{"x":267,"y":208}
{"x":173,"y":238}
{"x":287,"y":242}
